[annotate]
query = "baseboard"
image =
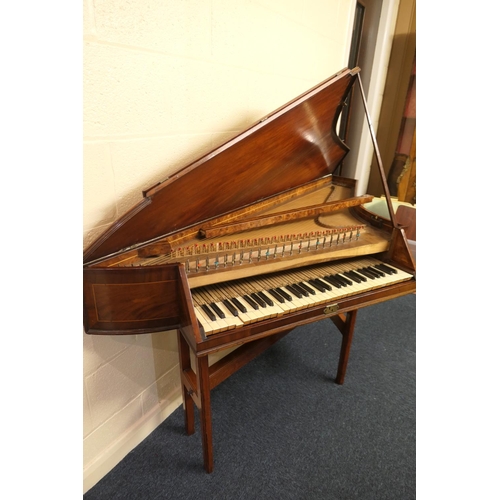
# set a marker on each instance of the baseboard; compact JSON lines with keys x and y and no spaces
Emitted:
{"x":94,"y":472}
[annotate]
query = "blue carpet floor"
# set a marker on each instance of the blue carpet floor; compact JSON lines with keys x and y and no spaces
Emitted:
{"x":283,"y":429}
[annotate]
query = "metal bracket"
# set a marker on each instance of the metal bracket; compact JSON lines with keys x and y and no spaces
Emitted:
{"x":331,"y":309}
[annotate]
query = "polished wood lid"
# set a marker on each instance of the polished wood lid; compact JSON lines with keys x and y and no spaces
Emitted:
{"x":287,"y":148}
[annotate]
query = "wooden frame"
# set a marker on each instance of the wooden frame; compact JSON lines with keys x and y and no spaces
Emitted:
{"x":289,"y":153}
{"x":196,"y":385}
{"x":250,"y":342}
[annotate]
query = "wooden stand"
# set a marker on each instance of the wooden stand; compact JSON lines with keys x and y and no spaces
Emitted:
{"x":196,"y":385}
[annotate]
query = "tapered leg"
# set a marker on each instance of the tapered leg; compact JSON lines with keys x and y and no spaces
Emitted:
{"x":185,"y":364}
{"x":205,"y":412}
{"x":188,"y":412}
{"x":347,"y":331}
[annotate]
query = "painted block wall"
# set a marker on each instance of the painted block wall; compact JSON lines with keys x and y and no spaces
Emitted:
{"x":166,"y":81}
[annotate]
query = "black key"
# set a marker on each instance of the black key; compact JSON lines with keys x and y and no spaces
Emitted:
{"x":333,"y":281}
{"x":285,"y":295}
{"x":372,"y":272}
{"x":293,"y":291}
{"x":209,"y":312}
{"x":265,"y":298}
{"x":276,"y":295}
{"x":315,"y":285}
{"x":258,"y":300}
{"x":357,"y":277}
{"x":308,"y":288}
{"x":387,"y":269}
{"x":230,"y":306}
{"x":251,"y":302}
{"x":300,"y":289}
{"x":217,"y":310}
{"x":376,"y":271}
{"x":352,"y":276}
{"x":346,"y":280}
{"x":342,"y":280}
{"x":367,"y":273}
{"x":324,"y":284}
{"x":338,"y":280}
{"x":239,"y":305}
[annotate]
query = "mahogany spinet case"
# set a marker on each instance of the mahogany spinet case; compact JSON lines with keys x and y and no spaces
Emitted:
{"x":248,"y":242}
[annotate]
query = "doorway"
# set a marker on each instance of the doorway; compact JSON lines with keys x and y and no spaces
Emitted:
{"x":378,"y":31}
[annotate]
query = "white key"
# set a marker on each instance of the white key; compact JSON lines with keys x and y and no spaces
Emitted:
{"x":229,"y":291}
{"x":319,"y":296}
{"x":202,"y":319}
{"x":298,"y":302}
{"x":245,"y":317}
{"x":285,"y":306}
{"x":210,"y":326}
{"x":276,"y":305}
{"x":290,"y":305}
{"x":230,"y":319}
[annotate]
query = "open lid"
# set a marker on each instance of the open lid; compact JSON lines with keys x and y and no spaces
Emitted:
{"x":293,"y":145}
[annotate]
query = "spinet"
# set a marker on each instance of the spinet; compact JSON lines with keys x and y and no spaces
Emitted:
{"x":248,"y":242}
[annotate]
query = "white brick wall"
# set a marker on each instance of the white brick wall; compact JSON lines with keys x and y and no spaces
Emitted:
{"x":164,"y":82}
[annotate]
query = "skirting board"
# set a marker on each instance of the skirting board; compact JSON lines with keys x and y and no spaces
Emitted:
{"x":115,"y":453}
